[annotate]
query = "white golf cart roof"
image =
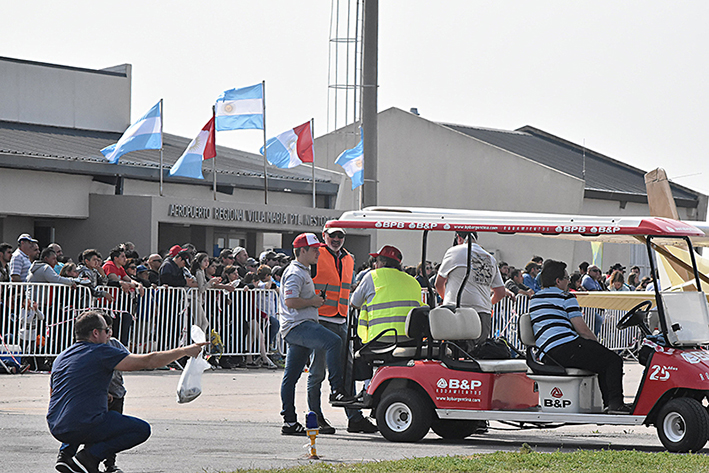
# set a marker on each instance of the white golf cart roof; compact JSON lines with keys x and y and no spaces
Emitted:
{"x":568,"y":227}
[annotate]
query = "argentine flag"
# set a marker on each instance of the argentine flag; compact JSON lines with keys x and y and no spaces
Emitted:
{"x":292,"y":148}
{"x":146,"y":133}
{"x":352,"y":161}
{"x":199,"y":149}
{"x":240,"y":109}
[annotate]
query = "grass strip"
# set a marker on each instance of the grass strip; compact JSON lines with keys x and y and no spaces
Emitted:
{"x":600,"y":461}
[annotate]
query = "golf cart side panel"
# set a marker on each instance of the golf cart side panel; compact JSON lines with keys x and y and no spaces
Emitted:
{"x":454,"y":389}
{"x":673,"y":369}
{"x":513,"y":391}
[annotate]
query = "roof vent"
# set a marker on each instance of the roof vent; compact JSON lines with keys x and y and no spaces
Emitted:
{"x":415,"y":111}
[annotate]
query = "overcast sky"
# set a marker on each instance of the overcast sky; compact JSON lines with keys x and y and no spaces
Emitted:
{"x":628,"y":78}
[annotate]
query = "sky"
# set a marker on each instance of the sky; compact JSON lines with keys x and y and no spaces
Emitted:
{"x":626,"y":79}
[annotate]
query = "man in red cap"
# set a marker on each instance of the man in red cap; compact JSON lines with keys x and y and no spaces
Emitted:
{"x":300,"y":329}
{"x":385,"y":296}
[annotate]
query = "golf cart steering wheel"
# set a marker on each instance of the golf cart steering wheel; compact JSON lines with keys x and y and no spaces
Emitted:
{"x":636,"y":316}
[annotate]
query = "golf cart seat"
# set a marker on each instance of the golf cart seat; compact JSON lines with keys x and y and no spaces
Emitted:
{"x":526,"y":336}
{"x":463,"y":323}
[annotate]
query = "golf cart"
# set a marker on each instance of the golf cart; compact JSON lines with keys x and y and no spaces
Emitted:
{"x":435,"y":385}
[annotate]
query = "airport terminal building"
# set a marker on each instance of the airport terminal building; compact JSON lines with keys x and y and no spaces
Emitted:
{"x":56,"y":185}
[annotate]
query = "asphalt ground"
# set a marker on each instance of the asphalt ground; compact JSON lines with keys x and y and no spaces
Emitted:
{"x":235,"y":423}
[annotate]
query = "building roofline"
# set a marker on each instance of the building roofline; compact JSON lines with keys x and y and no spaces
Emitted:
{"x":111,"y":71}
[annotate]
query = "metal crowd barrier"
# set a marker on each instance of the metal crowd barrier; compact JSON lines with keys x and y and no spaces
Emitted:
{"x":37,"y":320}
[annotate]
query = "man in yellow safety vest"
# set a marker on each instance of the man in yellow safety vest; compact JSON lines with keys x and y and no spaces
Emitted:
{"x":385,"y":296}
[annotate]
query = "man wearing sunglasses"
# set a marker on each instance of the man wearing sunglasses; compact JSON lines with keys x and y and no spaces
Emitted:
{"x":78,"y":405}
{"x":334,"y":274}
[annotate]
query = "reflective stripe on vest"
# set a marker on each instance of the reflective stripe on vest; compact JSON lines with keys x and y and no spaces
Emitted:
{"x":396,"y":293}
{"x":337,"y":296}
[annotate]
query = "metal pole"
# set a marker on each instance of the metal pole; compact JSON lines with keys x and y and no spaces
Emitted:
{"x":312,"y":134}
{"x":369,"y":101}
{"x":161,"y":147}
{"x":265,"y":175}
{"x":214,"y":159}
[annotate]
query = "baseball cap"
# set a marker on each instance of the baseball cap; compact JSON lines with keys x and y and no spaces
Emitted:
{"x":330,"y":230}
{"x":389,"y":252}
{"x":26,"y":236}
{"x":618,"y":267}
{"x":238,"y":250}
{"x":307,"y":239}
{"x":174,"y":250}
{"x":251,"y":262}
{"x":140,"y":268}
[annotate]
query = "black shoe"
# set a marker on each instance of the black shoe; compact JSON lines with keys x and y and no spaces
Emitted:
{"x":482,"y":427}
{"x":362,"y":425}
{"x":341,"y":397}
{"x":623,"y":409}
{"x":295,"y":429}
{"x":324,"y":426}
{"x":86,"y":462}
{"x":112,"y":469}
{"x":66,"y":464}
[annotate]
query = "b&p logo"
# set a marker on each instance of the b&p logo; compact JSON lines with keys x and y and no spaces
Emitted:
{"x":442,"y":383}
{"x":556,"y":392}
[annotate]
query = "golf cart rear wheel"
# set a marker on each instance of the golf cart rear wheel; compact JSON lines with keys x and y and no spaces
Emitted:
{"x":683,"y":425}
{"x":455,"y":429}
{"x":404,"y":416}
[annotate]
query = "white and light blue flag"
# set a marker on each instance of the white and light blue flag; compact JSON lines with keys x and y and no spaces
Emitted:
{"x":146,"y":133}
{"x":352,"y":161}
{"x":240,"y":109}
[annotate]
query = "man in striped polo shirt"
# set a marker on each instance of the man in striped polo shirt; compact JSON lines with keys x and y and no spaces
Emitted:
{"x":562,"y":335}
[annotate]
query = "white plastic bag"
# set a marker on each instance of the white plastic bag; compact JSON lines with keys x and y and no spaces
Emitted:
{"x":190,"y":385}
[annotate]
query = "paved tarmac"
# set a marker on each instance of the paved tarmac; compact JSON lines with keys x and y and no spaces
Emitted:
{"x":235,"y":423}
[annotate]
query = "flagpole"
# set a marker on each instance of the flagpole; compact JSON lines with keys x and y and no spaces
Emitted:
{"x":214,"y":159}
{"x":265,"y":175}
{"x":312,"y":134}
{"x":161,"y":147}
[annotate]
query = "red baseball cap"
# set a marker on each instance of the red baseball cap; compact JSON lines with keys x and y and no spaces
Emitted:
{"x":389,"y":252}
{"x":174,"y":250}
{"x":307,"y":239}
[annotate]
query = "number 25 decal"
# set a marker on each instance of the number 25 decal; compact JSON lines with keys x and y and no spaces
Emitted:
{"x":659,"y":373}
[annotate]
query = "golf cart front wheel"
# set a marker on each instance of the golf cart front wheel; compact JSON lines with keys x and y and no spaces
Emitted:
{"x":404,"y":416}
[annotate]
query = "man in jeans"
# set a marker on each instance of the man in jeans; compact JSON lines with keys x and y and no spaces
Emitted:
{"x":300,"y":329}
{"x":334,"y":274}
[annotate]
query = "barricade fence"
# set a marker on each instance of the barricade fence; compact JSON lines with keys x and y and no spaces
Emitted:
{"x":38,"y":319}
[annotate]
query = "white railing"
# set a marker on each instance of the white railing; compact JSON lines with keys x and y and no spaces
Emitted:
{"x":38,"y":319}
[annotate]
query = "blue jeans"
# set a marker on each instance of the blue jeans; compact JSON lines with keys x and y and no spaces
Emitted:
{"x":115,"y":433}
{"x":302,"y":340}
{"x":274,"y":327}
{"x":317,"y":373}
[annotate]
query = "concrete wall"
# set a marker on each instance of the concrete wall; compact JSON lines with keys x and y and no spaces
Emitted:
{"x":114,"y":219}
{"x":63,"y":96}
{"x":423,"y":164}
{"x":188,"y":191}
{"x":44,"y":194}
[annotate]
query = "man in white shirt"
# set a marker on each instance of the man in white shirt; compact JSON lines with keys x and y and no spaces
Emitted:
{"x":27,"y":250}
{"x":484,"y":278}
